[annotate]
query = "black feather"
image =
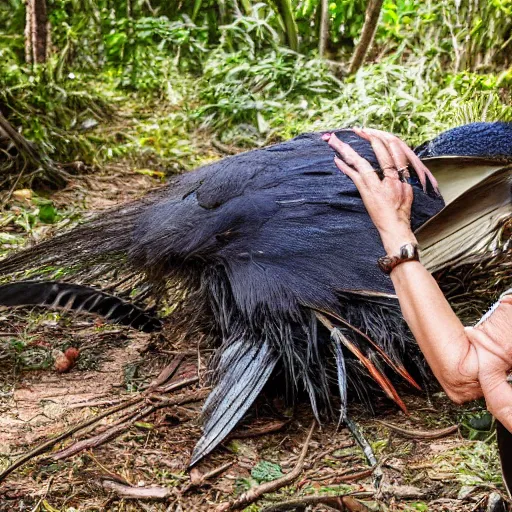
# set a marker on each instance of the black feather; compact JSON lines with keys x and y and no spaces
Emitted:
{"x":251,"y":246}
{"x":77,"y":298}
{"x":243,"y":370}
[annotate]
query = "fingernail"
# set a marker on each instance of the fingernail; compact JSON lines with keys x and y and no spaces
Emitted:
{"x":326,"y":136}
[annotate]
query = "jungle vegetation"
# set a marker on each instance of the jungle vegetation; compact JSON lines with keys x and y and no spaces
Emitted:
{"x":152,"y":82}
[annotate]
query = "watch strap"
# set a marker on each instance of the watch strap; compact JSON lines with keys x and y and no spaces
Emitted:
{"x":408,"y":252}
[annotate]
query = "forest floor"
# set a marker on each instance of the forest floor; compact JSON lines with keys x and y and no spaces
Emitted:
{"x":449,"y":473}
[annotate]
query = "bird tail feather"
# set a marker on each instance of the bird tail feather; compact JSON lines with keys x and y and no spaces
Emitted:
{"x":77,"y":298}
{"x":243,"y":372}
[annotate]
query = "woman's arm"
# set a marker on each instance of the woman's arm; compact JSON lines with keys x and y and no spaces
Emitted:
{"x":466,"y":361}
{"x":439,"y":333}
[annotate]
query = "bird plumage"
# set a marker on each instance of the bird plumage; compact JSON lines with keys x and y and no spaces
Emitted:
{"x":265,"y":244}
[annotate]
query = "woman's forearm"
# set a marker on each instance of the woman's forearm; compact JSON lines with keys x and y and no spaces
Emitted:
{"x":439,"y":333}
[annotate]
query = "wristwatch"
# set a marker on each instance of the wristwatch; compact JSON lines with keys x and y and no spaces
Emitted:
{"x":408,"y":252}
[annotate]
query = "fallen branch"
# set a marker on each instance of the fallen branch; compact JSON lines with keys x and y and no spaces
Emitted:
{"x":128,"y":492}
{"x":421,"y":434}
{"x":126,"y":422}
{"x":355,"y":476}
{"x":48,"y":445}
{"x":254,"y":494}
{"x":342,"y":503}
{"x":167,"y":373}
{"x":99,"y":439}
{"x":260,"y":431}
{"x":173,"y":386}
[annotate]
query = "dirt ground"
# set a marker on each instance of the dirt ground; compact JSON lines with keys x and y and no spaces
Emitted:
{"x":148,"y":454}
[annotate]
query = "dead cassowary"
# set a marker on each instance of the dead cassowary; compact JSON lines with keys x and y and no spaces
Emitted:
{"x":272,"y":254}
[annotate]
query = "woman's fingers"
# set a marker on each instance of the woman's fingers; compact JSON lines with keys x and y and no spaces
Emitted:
{"x":384,"y":158}
{"x":352,"y":158}
{"x":401,"y":153}
{"x":493,"y":364}
{"x":346,"y":169}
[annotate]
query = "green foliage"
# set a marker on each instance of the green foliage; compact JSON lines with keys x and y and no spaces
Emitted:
{"x":169,"y":46}
{"x":474,"y":464}
{"x":266,"y":471}
{"x":172,"y":68}
{"x":478,"y":426}
{"x":241,"y":88}
{"x":53,"y":113}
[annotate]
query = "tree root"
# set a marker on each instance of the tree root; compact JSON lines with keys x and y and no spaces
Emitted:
{"x":421,"y":434}
{"x":254,"y":494}
{"x":342,"y":503}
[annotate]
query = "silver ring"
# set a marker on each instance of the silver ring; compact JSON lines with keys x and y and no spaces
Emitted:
{"x":403,"y":174}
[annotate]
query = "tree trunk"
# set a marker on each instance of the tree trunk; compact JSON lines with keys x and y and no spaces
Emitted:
{"x":367,"y":34}
{"x":36,"y":32}
{"x":324,"y":27}
{"x":285,"y":10}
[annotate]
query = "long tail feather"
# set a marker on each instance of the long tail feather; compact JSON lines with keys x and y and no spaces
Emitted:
{"x":398,"y":368}
{"x":243,"y":374}
{"x":77,"y":298}
{"x":341,"y":371}
{"x":377,"y":375}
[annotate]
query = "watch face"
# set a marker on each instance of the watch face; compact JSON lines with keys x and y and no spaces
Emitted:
{"x":409,"y":252}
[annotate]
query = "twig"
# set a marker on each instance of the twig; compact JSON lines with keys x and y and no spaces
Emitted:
{"x":99,"y":439}
{"x":166,"y":374}
{"x":421,"y":434}
{"x":223,"y":148}
{"x":46,"y":446}
{"x":260,"y":431}
{"x":127,"y":422}
{"x":342,"y":503}
{"x":197,"y":479}
{"x":97,"y":403}
{"x":38,"y":504}
{"x":136,"y":493}
{"x":355,"y":476}
{"x":173,"y":386}
{"x":254,"y":494}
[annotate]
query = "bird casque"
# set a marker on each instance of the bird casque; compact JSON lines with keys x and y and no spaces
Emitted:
{"x":272,"y":255}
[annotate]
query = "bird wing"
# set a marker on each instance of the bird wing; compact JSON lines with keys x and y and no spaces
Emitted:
{"x":478,"y":208}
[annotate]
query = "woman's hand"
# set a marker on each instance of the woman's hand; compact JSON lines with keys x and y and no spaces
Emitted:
{"x":389,"y":200}
{"x":467,"y":362}
{"x":492,"y":340}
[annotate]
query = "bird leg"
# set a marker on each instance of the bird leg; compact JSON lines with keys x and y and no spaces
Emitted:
{"x":361,"y":440}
